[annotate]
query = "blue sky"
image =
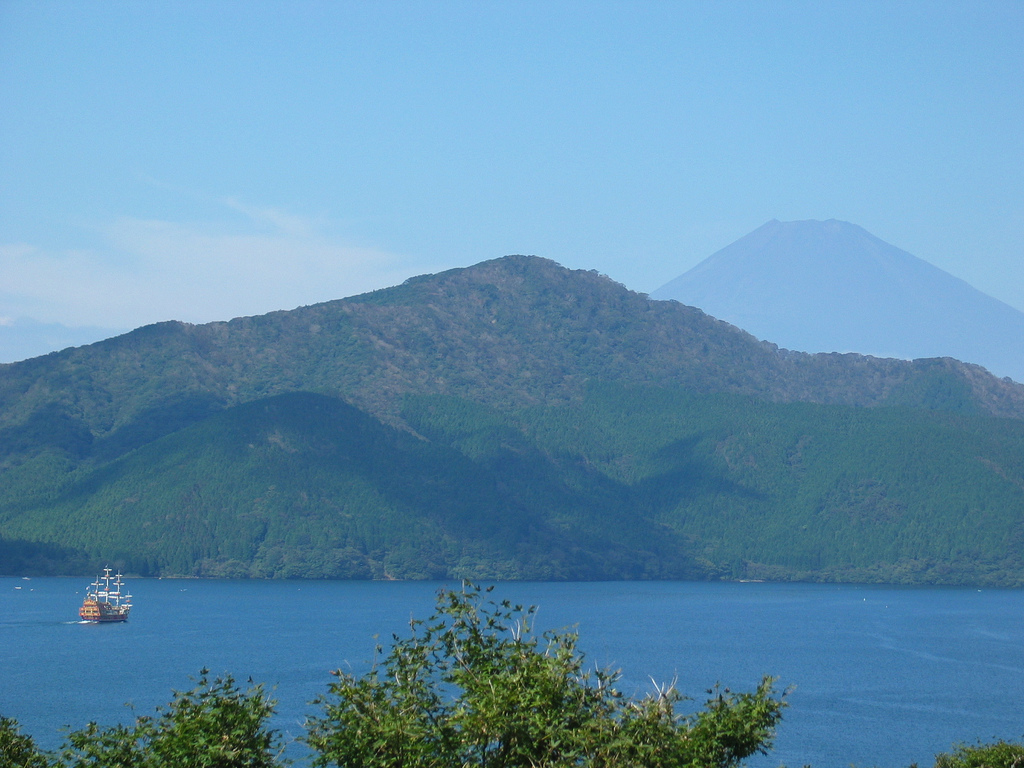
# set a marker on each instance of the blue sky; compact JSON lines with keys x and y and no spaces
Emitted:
{"x":200,"y":161}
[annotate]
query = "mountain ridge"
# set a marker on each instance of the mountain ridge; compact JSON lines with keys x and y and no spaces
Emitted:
{"x":514,"y":419}
{"x":528,"y":331}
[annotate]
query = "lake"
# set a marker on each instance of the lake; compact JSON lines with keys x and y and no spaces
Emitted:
{"x":882,"y":676}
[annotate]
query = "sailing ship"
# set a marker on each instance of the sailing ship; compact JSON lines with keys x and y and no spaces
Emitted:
{"x":104,"y":600}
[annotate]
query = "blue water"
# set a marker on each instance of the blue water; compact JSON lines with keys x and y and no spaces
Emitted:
{"x":882,"y":676}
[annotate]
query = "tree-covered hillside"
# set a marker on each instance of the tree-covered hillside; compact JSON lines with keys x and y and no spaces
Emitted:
{"x":304,"y":485}
{"x":628,"y":483}
{"x":806,"y":491}
{"x":511,"y":420}
{"x":510,"y":332}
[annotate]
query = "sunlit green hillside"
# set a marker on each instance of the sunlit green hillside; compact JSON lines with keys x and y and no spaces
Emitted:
{"x":510,"y":420}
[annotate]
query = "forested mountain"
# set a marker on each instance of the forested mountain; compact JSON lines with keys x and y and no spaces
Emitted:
{"x":514,"y":419}
{"x":824,"y":286}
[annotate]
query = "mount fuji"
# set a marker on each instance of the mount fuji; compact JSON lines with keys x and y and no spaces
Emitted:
{"x":831,"y":286}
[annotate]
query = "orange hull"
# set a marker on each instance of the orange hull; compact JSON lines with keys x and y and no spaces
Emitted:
{"x":93,"y":610}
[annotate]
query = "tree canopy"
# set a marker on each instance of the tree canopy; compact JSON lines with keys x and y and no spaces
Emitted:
{"x":474,"y":685}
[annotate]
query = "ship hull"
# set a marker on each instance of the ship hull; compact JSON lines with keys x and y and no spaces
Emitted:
{"x":104,"y":619}
{"x":101,"y":613}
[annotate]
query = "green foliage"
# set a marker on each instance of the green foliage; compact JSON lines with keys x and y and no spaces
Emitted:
{"x":1000,"y":754}
{"x":475,"y":686}
{"x":18,"y":750}
{"x":214,"y":725}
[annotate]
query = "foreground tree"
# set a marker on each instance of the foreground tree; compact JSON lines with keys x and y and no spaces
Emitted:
{"x":474,"y":686}
{"x":214,"y":725}
{"x":1000,"y":754}
{"x":18,"y":750}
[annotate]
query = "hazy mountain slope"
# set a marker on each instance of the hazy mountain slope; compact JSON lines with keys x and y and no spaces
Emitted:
{"x":513,"y":331}
{"x":830,"y":286}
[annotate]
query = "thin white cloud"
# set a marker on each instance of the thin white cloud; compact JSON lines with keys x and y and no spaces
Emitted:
{"x":159,"y":270}
{"x":283,"y":222}
{"x":47,"y":285}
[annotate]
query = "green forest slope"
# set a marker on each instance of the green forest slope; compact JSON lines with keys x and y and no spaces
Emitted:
{"x":627,"y":483}
{"x":510,"y":420}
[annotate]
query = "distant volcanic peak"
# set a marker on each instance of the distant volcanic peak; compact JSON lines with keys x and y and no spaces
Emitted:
{"x":777,"y":228}
{"x":829,"y":252}
{"x":819,"y":286}
{"x":821,"y":236}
